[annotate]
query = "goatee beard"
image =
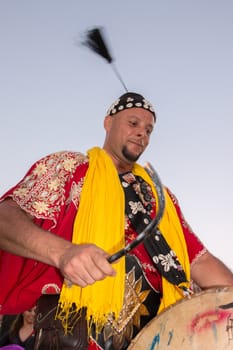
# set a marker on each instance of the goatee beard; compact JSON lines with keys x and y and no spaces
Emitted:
{"x":129,"y":156}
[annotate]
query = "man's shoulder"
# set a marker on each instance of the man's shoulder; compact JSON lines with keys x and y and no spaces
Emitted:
{"x":66,"y":159}
{"x":68,"y":154}
{"x":62,"y":164}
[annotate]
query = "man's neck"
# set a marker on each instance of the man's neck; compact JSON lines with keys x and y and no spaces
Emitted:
{"x":122,"y":166}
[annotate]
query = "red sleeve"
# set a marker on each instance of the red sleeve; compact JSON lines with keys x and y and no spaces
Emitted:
{"x":50,"y":192}
{"x":46,"y":189}
{"x":194,"y":246}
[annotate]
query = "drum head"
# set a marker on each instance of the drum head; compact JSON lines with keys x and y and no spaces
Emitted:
{"x":203,"y":322}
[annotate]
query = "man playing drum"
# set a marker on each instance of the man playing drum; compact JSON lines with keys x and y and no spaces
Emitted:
{"x":71,"y":212}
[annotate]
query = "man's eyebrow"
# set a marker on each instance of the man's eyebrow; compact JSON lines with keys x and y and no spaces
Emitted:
{"x":139,"y":118}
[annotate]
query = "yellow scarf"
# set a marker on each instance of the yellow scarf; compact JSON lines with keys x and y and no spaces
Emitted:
{"x":100,"y":220}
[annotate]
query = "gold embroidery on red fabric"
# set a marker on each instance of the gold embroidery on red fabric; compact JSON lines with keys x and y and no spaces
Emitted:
{"x":75,"y":192}
{"x":42,"y":192}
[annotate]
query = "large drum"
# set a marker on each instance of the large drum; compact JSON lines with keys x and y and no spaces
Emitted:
{"x":202,"y":322}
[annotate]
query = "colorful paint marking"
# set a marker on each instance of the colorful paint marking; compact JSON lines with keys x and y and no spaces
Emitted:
{"x":207,"y":319}
{"x":155,"y":342}
{"x":170,"y":337}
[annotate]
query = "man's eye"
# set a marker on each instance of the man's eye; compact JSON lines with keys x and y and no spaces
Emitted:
{"x":133,"y":123}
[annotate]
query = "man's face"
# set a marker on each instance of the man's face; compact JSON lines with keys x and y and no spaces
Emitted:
{"x":128,"y":133}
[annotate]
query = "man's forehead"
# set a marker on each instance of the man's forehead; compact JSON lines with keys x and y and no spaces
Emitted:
{"x":138,"y":114}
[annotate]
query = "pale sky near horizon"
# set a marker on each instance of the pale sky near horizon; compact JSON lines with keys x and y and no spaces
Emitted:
{"x":178,"y":53}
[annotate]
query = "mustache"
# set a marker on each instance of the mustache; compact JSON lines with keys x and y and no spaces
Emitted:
{"x":139,"y":142}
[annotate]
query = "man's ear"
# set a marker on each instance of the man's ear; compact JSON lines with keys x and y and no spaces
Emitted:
{"x":107,"y":122}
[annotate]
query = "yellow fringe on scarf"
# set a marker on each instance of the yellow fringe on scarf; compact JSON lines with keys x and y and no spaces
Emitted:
{"x":100,"y":220}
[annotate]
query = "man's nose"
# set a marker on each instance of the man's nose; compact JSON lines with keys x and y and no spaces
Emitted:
{"x":141,"y":132}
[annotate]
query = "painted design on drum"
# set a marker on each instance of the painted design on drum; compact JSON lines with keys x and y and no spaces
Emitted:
{"x":211,"y":319}
{"x":156,"y":340}
{"x":208,"y":319}
{"x":229,"y":327}
{"x":226,"y":306}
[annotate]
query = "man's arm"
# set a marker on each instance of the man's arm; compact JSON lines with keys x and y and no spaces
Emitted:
{"x":208,"y":271}
{"x":81,"y":264}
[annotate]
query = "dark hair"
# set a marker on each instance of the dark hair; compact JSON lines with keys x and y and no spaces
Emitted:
{"x":15,"y":326}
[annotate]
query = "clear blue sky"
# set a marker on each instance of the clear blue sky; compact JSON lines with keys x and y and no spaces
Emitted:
{"x":54,"y":94}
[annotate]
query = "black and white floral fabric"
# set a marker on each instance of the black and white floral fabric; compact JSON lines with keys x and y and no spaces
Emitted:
{"x":139,"y":207}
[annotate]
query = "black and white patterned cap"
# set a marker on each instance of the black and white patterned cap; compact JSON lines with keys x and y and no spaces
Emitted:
{"x":130,"y":100}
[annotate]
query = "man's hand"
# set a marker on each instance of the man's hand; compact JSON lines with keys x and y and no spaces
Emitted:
{"x":85,"y":264}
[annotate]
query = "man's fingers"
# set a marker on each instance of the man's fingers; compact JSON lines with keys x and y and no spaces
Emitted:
{"x":85,"y":264}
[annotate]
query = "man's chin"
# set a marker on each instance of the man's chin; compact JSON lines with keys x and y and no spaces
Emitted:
{"x":131,"y":157}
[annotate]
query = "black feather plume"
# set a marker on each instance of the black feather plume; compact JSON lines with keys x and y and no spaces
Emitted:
{"x":94,"y":40}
